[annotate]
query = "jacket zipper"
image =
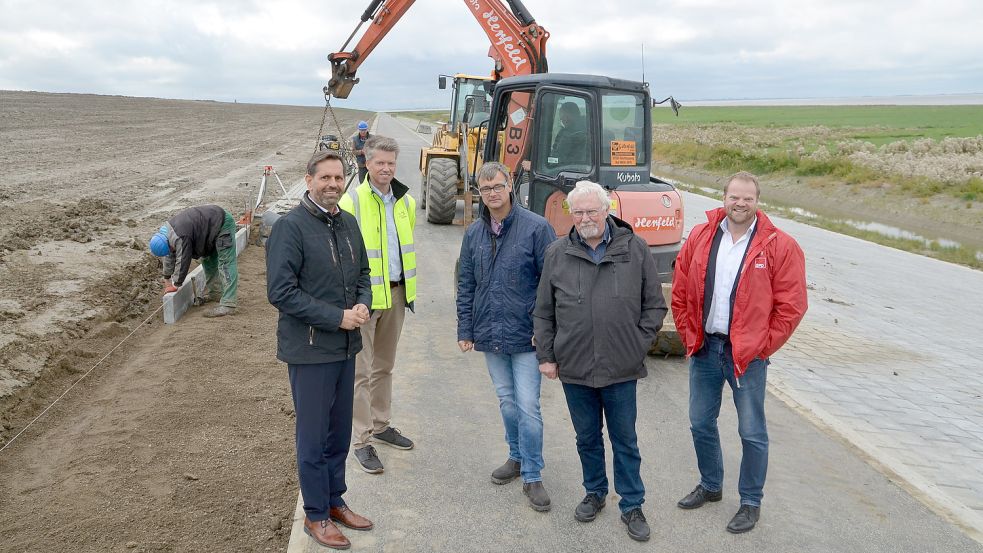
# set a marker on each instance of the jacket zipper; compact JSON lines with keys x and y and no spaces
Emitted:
{"x":311,"y":339}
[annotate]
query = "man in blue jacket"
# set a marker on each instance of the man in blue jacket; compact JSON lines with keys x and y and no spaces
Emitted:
{"x":320,"y":285}
{"x":501,"y":260}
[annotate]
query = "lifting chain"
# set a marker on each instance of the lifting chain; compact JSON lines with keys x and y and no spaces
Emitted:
{"x":346,"y":150}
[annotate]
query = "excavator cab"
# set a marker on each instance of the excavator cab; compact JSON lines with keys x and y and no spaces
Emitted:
{"x":554,"y":130}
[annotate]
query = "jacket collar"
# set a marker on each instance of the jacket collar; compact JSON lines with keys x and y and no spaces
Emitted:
{"x":398,"y":189}
{"x":485,"y":213}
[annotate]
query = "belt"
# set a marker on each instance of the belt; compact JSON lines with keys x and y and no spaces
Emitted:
{"x":395,"y":283}
{"x":719,"y":336}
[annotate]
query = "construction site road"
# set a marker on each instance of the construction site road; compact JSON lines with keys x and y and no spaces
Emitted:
{"x":183,"y":441}
{"x":821,"y":494}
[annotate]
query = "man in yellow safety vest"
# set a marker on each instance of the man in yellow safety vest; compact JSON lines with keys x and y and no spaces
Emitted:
{"x":386,"y":215}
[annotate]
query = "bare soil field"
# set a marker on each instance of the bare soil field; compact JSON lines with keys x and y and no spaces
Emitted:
{"x":172,"y":443}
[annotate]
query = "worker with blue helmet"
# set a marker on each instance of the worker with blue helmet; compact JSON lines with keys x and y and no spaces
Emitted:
{"x":206,"y":233}
{"x":358,"y":144}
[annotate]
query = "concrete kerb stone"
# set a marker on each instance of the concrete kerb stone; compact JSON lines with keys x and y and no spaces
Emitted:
{"x":176,"y":304}
{"x":956,"y":512}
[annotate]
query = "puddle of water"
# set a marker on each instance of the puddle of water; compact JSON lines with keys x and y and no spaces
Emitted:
{"x":895,"y":232}
{"x":802,"y":212}
{"x":711,"y":191}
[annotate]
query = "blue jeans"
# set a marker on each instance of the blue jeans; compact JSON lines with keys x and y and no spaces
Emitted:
{"x":516,"y":378}
{"x":617,"y":405}
{"x":709,"y":368}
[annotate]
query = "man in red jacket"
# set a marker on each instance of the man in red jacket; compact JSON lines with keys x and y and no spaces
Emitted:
{"x":738,"y":292}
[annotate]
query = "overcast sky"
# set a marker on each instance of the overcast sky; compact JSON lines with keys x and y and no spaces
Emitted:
{"x":274,"y":51}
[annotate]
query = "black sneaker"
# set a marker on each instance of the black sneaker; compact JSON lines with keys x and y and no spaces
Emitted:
{"x":368,"y":460}
{"x":393,"y":438}
{"x":638,"y":529}
{"x":744,"y":520}
{"x":588,"y":508}
{"x":507,"y":472}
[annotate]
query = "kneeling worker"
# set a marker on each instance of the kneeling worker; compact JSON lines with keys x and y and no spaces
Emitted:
{"x":207,"y":233}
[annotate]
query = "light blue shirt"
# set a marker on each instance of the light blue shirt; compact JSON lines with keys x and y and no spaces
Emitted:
{"x":392,"y":243}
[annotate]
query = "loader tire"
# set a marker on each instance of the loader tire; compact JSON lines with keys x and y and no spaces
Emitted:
{"x":441,"y":191}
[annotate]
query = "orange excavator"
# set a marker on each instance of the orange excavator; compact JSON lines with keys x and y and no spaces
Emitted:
{"x":551,"y":129}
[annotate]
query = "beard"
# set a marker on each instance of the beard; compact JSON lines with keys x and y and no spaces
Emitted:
{"x":327,"y":199}
{"x":589,"y":229}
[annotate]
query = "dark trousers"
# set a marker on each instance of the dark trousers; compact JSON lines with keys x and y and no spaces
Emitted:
{"x":362,"y":171}
{"x":322,"y":395}
{"x":616,"y":404}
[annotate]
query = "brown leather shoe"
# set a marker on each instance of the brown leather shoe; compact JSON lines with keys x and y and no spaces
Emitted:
{"x":349,"y":518}
{"x":326,"y":533}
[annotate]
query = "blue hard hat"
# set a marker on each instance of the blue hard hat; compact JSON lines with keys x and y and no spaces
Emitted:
{"x":159,"y":245}
{"x":363,"y":126}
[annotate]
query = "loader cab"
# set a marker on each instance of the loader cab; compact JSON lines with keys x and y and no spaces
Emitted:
{"x":471,"y":101}
{"x":555,"y":130}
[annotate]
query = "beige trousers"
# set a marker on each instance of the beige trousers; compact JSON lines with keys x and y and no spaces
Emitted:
{"x":374,"y":370}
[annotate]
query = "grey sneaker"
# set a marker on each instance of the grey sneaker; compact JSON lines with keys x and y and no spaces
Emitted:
{"x":368,"y":460}
{"x":539,"y":500}
{"x":638,"y":528}
{"x":219,"y":311}
{"x":506,"y":473}
{"x":393,"y":438}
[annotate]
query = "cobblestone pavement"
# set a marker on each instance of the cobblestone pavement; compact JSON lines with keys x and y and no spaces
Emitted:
{"x":890,"y":356}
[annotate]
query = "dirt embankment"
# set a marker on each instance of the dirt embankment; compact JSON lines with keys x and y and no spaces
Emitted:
{"x":174,"y":443}
{"x":86,"y":180}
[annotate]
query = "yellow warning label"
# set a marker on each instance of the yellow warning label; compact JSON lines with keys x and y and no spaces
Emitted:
{"x":623,"y":152}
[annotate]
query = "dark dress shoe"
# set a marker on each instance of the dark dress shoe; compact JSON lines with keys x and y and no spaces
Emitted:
{"x":588,"y":508}
{"x":744,"y":520}
{"x":349,"y":518}
{"x":539,"y":500}
{"x":325,"y":533}
{"x":507,"y":472}
{"x":698,"y":497}
{"x":638,"y":528}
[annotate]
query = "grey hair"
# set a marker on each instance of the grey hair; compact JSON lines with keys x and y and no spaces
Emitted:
{"x":744,"y":176}
{"x":491,"y":169}
{"x":322,"y":155}
{"x":383,"y":143}
{"x":587,"y":189}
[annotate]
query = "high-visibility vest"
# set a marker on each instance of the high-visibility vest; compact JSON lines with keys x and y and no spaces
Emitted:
{"x":370,"y":212}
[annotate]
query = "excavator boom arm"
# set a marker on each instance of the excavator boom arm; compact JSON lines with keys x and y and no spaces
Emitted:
{"x":518,"y":44}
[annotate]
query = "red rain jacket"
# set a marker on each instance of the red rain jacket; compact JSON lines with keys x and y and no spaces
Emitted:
{"x":771,"y":291}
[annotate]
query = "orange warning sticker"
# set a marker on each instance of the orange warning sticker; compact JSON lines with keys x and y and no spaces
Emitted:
{"x":623,"y":152}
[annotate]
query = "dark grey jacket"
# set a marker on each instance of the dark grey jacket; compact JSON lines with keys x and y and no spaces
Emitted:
{"x":316,"y":268}
{"x":193,"y":234}
{"x":598,"y":321}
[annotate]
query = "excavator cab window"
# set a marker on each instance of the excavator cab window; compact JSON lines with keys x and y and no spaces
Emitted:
{"x":566,"y":143}
{"x":623,"y":129}
{"x":474,"y":91}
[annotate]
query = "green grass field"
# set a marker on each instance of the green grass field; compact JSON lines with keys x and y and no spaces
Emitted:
{"x":876,"y":124}
{"x":432,"y":116}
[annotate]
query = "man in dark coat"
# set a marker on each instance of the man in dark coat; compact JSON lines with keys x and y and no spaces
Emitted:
{"x":598,"y":309}
{"x":318,"y":278}
{"x":501,"y":260}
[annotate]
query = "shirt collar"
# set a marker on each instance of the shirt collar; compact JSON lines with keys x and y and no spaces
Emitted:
{"x":605,"y":238}
{"x":724,"y":227}
{"x":322,"y":208}
{"x":385,"y":197}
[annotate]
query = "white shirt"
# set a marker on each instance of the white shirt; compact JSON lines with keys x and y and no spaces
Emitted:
{"x":729,"y":256}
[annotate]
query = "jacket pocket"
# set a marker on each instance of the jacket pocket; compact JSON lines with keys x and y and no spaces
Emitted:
{"x":223,"y":242}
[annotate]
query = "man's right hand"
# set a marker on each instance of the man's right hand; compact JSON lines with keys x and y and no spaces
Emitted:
{"x":465,"y":345}
{"x":169,"y":286}
{"x":353,"y":318}
{"x":548,"y":370}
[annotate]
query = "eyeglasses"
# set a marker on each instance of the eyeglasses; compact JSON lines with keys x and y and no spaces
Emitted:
{"x":580,"y":213}
{"x":486,"y":190}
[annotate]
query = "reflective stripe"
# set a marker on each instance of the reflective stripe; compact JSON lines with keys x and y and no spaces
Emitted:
{"x":353,"y":192}
{"x":407,"y":248}
{"x":374,"y":254}
{"x":376,"y":280}
{"x":409,"y":273}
